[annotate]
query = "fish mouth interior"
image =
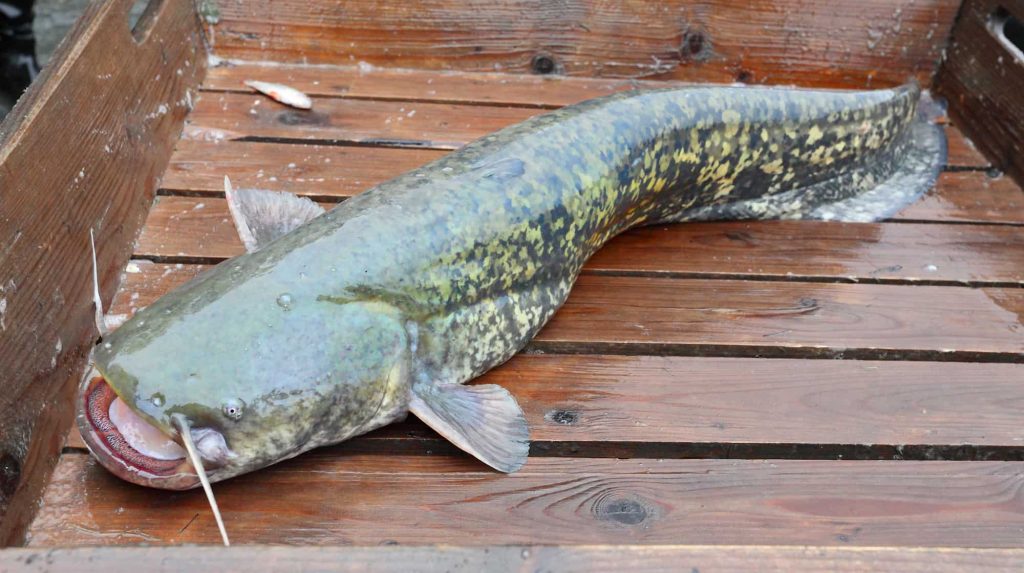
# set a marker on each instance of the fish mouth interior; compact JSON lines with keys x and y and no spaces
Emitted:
{"x":126,"y":436}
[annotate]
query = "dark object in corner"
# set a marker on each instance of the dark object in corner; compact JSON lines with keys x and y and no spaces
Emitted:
{"x":18,"y":66}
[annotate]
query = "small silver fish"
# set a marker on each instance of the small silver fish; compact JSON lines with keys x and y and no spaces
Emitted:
{"x":282,"y":93}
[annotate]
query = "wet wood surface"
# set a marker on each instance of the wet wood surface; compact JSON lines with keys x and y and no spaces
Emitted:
{"x":871,"y":43}
{"x":331,"y":497}
{"x":81,"y":151}
{"x":609,"y":558}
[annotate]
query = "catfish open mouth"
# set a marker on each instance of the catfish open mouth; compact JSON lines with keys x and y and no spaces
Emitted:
{"x":127,"y":444}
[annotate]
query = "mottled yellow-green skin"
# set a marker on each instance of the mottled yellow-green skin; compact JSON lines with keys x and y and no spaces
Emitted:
{"x":447,"y":271}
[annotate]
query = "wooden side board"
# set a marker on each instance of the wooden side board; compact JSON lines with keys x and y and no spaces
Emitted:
{"x":984,"y":81}
{"x":838,"y":44}
{"x":452,"y":557}
{"x":81,"y":151}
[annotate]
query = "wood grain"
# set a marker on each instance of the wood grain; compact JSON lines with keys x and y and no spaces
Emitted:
{"x":597,"y":559}
{"x":638,"y":315}
{"x":438,"y":499}
{"x":82,"y":150}
{"x":329,"y":172}
{"x":222,"y":116}
{"x":984,"y":82}
{"x":200,"y":229}
{"x":871,"y":43}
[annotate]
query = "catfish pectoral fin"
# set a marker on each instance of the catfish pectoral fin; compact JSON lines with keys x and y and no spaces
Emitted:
{"x":484,"y":420}
{"x":261,"y":216}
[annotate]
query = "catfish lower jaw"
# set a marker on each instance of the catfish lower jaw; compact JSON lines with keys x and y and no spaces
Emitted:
{"x":107,"y":443}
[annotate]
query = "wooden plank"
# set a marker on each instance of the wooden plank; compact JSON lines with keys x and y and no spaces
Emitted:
{"x":647,"y":315}
{"x":222,"y":116}
{"x":82,"y":150}
{"x":199,"y":228}
{"x":329,"y":497}
{"x":368,"y":82}
{"x":568,"y":559}
{"x":326,"y":172}
{"x":984,"y":82}
{"x":331,"y":173}
{"x":876,"y":42}
{"x":672,"y":407}
{"x":638,"y":315}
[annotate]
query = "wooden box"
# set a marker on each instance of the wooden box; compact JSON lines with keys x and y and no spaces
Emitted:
{"x":769,"y":395}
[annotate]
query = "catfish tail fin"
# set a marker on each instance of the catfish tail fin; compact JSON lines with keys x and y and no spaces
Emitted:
{"x":875,"y":190}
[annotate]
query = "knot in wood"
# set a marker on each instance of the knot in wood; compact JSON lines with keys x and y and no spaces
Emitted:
{"x":564,"y":417}
{"x":621,"y":510}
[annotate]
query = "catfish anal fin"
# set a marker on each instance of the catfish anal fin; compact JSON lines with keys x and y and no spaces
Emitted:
{"x":484,"y":420}
{"x":261,"y":216}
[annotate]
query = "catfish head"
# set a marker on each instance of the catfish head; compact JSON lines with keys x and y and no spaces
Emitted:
{"x":266,"y":356}
{"x":252,"y":379}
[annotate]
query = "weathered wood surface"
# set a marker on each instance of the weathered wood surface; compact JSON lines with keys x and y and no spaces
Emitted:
{"x":329,"y":497}
{"x":642,"y":315}
{"x":672,"y":407}
{"x":844,"y":44}
{"x":331,"y":173}
{"x":421,"y":125}
{"x":984,"y":81}
{"x":82,"y":150}
{"x":183,"y":229}
{"x":568,"y":559}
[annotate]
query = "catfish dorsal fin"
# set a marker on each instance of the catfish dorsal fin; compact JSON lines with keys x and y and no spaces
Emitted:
{"x":483,"y":419}
{"x":261,"y":216}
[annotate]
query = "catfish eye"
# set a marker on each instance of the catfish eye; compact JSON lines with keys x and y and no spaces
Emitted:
{"x":232,"y":409}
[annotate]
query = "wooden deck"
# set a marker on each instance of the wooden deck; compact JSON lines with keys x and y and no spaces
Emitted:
{"x":689,"y":392}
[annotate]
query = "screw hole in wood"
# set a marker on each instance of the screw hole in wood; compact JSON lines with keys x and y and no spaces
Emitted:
{"x":543,"y":64}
